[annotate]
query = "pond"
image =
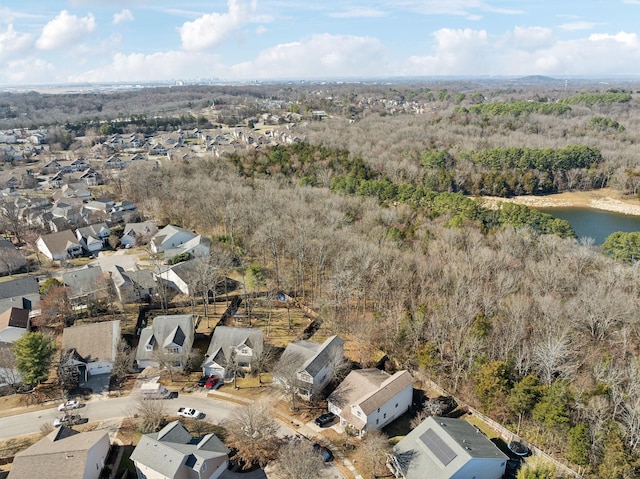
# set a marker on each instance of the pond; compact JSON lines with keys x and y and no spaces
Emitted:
{"x":596,"y":224}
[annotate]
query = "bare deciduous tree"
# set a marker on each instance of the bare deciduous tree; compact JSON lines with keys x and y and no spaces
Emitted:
{"x":253,"y":433}
{"x":151,"y":415}
{"x":297,"y":460}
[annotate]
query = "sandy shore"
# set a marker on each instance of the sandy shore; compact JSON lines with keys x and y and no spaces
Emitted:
{"x":604,"y":199}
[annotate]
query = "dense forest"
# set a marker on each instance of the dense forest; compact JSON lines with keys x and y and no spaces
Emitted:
{"x":369,"y":221}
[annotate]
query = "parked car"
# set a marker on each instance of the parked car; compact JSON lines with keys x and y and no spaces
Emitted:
{"x":325,"y":419}
{"x":69,"y":420}
{"x":69,"y":405}
{"x":325,"y":453}
{"x":203,"y":380}
{"x":190,"y":413}
{"x":213,"y":382}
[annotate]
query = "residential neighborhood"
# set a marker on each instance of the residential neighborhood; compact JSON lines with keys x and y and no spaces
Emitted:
{"x":156,"y":343}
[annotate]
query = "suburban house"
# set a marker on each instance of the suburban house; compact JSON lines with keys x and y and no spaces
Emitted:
{"x":136,"y":234}
{"x":173,"y":240}
{"x":371,"y":398}
{"x":95,"y":346}
{"x":11,"y":258}
{"x":171,"y":336}
{"x":57,"y":246}
{"x":94,"y":237}
{"x":14,"y":322}
{"x":134,"y":285}
{"x":446,"y":448}
{"x":231,"y":344}
{"x":86,"y":284}
{"x":173,"y":453}
{"x":63,"y":454}
{"x":316,"y":362}
{"x":19,"y":293}
{"x":179,"y":277}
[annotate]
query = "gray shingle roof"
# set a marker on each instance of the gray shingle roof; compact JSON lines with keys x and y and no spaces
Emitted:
{"x":178,"y":327}
{"x":443,"y":446}
{"x":62,"y":454}
{"x":95,"y":341}
{"x":226,"y":338}
{"x":18,"y":287}
{"x":167,"y":451}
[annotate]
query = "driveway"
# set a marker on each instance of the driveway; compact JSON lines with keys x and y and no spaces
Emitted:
{"x":107,"y":260}
{"x":99,"y":384}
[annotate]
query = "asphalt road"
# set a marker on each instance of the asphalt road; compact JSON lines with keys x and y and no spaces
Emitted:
{"x":98,"y":409}
{"x":101,"y":408}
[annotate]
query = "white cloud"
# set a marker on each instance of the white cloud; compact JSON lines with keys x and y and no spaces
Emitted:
{"x":172,"y":65}
{"x":575,"y":26}
{"x":13,"y":43}
{"x":359,"y":13}
{"x":212,"y":29}
{"x":123,"y":16}
{"x":64,"y":30}
{"x":261,"y":30}
{"x":29,"y":71}
{"x":320,"y":56}
{"x":456,"y":52}
{"x":525,"y":51}
{"x":529,"y":38}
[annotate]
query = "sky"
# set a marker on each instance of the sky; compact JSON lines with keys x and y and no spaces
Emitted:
{"x":78,"y":41}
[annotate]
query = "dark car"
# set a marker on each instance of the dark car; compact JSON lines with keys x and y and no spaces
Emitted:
{"x":325,"y":419}
{"x":202,"y":381}
{"x":325,"y":453}
{"x":68,"y":420}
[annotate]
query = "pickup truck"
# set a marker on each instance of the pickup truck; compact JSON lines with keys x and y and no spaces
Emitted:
{"x":190,"y":413}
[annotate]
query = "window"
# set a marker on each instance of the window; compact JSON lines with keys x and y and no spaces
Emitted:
{"x":396,"y":406}
{"x":384,"y":416}
{"x":358,"y":413}
{"x":204,"y":467}
{"x":377,"y":421}
{"x":378,"y":409}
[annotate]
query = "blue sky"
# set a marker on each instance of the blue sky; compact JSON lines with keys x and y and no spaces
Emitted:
{"x":62,"y":41}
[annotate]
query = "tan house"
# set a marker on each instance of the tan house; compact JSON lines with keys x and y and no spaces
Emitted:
{"x":95,"y":346}
{"x":63,"y":454}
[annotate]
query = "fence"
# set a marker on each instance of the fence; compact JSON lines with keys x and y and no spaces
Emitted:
{"x":505,"y":433}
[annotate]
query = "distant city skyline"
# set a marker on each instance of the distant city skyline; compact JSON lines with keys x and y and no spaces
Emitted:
{"x":68,"y":41}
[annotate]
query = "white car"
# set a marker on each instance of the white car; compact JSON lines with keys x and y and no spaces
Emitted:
{"x":69,"y":405}
{"x":190,"y":413}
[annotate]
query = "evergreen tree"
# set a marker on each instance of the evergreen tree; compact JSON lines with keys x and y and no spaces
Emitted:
{"x":34,"y":352}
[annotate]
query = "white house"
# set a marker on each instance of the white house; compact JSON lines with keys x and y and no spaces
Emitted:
{"x":61,"y":245}
{"x":371,"y":398}
{"x":173,"y":453}
{"x":316,"y":363}
{"x":173,"y":240}
{"x":446,"y":448}
{"x":231,"y":344}
{"x":135,"y":234}
{"x":169,"y":335}
{"x":93,"y":237}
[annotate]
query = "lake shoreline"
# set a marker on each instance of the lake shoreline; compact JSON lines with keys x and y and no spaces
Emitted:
{"x":605,"y":199}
